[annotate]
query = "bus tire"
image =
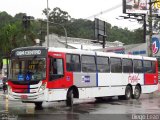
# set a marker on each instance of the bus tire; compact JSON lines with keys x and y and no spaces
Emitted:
{"x":137,"y":92}
{"x":128,"y":93}
{"x":70,"y":97}
{"x":38,"y":104}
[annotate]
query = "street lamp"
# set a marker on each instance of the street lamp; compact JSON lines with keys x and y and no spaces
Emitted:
{"x":65,"y":32}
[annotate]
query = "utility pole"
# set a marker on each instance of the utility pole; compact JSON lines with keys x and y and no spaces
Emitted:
{"x":144,"y":27}
{"x":47,"y":25}
{"x":150,"y":29}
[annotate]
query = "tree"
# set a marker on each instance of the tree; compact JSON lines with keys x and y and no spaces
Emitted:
{"x":57,"y":15}
{"x":81,"y":28}
{"x":5,"y":18}
{"x":8,"y":40}
{"x":12,"y":33}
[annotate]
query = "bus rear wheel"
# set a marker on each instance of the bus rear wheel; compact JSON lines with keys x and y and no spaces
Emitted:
{"x":137,"y":92}
{"x":70,"y":96}
{"x":128,"y":93}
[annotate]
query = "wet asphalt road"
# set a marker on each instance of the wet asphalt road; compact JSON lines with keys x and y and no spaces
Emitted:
{"x":87,"y":109}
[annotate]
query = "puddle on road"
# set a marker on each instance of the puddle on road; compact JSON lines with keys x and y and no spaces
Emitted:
{"x":5,"y":115}
{"x":114,"y":103}
{"x":22,"y":111}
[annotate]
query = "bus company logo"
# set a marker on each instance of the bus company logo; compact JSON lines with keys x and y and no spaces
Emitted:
{"x":85,"y":78}
{"x":133,"y":78}
{"x":28,"y":52}
{"x":155,"y":45}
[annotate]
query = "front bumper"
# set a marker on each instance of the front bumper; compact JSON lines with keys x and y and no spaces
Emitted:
{"x":31,"y":97}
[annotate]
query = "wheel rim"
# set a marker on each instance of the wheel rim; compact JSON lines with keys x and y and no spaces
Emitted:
{"x":71,"y":98}
{"x":136,"y":92}
{"x":128,"y":93}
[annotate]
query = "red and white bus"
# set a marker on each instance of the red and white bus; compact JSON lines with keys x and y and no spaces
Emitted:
{"x":40,"y":74}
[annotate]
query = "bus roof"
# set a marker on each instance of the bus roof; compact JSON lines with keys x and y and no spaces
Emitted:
{"x":99,"y":53}
{"x":86,"y":52}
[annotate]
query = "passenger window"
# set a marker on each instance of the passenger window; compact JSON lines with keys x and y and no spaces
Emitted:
{"x":116,"y":65}
{"x":73,"y":63}
{"x":149,"y":66}
{"x":56,"y":68}
{"x":127,"y":65}
{"x":153,"y":67}
{"x":88,"y":63}
{"x":138,"y":68}
{"x":103,"y":64}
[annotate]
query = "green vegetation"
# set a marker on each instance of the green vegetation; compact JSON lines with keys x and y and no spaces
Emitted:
{"x":13,"y":34}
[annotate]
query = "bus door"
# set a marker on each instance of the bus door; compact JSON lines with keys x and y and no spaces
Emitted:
{"x":57,"y":71}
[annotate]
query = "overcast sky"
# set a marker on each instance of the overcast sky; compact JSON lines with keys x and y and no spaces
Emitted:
{"x":75,"y":8}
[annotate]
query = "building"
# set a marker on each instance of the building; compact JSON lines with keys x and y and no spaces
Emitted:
{"x":78,"y":43}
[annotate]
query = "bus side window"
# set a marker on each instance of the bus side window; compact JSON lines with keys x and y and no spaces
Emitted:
{"x":88,"y":63}
{"x":153,"y":67}
{"x":137,"y":66}
{"x":103,"y":64}
{"x":73,"y":63}
{"x":116,"y":65}
{"x":56,"y":68}
{"x":127,"y":65}
{"x":149,"y":66}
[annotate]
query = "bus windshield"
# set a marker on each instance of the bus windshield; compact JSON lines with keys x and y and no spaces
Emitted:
{"x":28,"y":69}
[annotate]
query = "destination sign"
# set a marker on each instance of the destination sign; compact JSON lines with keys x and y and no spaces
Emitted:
{"x":28,"y":52}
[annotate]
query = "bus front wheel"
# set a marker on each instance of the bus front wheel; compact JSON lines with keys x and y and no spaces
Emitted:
{"x":38,"y":105}
{"x":70,"y":96}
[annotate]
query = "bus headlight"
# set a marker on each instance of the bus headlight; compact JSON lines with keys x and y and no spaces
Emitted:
{"x":42,"y":87}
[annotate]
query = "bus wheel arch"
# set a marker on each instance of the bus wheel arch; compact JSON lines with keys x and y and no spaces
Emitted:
{"x":71,"y":94}
{"x":137,"y":91}
{"x":128,"y":93}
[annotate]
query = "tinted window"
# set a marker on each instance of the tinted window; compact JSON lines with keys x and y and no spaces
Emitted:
{"x":73,"y":63}
{"x":149,"y":66}
{"x":153,"y":67}
{"x":127,"y":65}
{"x":116,"y":65}
{"x":137,"y":66}
{"x":56,"y":68}
{"x":103,"y":64}
{"x":88,"y":63}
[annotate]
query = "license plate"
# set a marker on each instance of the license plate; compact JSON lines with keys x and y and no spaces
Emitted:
{"x":24,"y":97}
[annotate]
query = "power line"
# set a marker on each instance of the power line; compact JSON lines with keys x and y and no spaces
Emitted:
{"x":105,"y":11}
